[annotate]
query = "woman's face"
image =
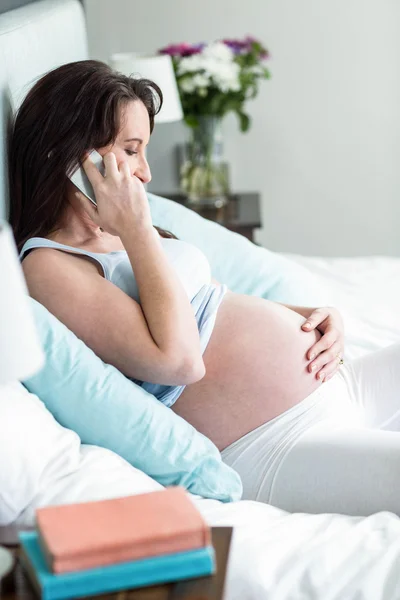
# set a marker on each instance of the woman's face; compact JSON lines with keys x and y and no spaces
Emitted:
{"x":132,"y":140}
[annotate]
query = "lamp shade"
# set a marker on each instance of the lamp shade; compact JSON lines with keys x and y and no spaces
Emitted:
{"x":158,"y":68}
{"x":20,"y":352}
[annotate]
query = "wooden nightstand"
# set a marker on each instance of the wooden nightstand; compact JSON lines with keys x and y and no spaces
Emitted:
{"x":242,"y":214}
{"x":16,"y":585}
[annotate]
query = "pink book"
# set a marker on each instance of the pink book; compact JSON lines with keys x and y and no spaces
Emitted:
{"x":82,"y":536}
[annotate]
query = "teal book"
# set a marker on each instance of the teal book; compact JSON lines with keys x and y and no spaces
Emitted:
{"x":113,"y":578}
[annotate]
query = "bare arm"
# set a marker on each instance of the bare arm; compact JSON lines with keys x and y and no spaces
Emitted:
{"x":123,"y":209}
{"x":165,"y":304}
{"x":111,"y":323}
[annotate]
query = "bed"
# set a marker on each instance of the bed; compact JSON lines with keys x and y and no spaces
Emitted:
{"x":274,"y":554}
{"x":367,"y":292}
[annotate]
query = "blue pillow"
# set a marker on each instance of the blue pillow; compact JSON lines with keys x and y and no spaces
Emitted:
{"x":106,"y":409}
{"x":244,"y":267}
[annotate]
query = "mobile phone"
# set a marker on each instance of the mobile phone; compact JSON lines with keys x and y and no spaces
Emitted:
{"x":81,"y":181}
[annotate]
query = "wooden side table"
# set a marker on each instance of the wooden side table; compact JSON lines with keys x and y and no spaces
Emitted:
{"x":242,"y":214}
{"x":16,"y":586}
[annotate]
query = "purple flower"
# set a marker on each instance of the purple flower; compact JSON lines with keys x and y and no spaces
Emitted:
{"x":236,"y":46}
{"x":183,"y":49}
{"x":243,"y":46}
{"x":252,"y":40}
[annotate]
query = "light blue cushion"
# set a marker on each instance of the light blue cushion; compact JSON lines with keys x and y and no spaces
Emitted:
{"x":244,"y":267}
{"x":106,"y":409}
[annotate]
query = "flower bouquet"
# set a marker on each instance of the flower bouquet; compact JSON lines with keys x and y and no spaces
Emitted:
{"x":214,"y":79}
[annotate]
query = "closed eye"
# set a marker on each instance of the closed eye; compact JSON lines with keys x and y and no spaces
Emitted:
{"x":130,"y":152}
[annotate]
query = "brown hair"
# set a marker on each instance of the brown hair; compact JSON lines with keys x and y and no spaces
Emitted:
{"x":69,"y":111}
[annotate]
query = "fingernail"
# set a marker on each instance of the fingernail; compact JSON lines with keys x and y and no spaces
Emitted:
{"x":321,"y":376}
{"x":313,"y":367}
{"x":307,"y":324}
{"x":312,"y":356}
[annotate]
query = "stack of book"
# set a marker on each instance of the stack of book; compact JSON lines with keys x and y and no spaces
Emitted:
{"x":110,"y":545}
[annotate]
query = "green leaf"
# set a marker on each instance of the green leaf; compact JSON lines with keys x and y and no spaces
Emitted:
{"x":267,"y":74}
{"x":244,"y":121}
{"x":191,"y":121}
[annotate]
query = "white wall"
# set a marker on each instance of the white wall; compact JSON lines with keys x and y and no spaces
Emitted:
{"x":324,"y":147}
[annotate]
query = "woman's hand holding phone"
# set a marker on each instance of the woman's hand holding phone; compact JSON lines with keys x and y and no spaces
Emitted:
{"x":121,"y":199}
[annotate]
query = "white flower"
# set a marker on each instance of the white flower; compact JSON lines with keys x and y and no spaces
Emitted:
{"x":256,"y":70}
{"x":197,"y":83}
{"x":190,"y":64}
{"x":226,"y":76}
{"x":215,"y":65}
{"x":230,"y":86}
{"x":187,"y":86}
{"x":201,"y":80}
{"x":218,"y":51}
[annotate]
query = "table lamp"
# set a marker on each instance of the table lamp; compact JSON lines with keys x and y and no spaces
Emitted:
{"x":159,"y":69}
{"x":20,"y":352}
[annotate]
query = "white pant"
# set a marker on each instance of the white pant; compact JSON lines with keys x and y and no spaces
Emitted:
{"x":336,"y":451}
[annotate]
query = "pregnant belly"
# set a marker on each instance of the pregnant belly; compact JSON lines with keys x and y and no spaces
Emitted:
{"x":256,"y":368}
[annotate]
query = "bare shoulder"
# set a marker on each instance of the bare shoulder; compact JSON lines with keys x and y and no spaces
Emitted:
{"x":48,"y":269}
{"x":41,"y":260}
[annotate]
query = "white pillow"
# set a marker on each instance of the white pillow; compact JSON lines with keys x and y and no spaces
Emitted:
{"x":100,"y":474}
{"x":43,"y":463}
{"x":33,"y":447}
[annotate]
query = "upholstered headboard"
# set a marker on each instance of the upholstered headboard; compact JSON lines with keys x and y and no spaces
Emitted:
{"x":33,"y":40}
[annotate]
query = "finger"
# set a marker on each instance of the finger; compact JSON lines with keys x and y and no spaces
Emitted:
{"x":325,"y":342}
{"x":325,"y":357}
{"x":316,"y":318}
{"x":328,"y":371}
{"x":124,"y":169}
{"x":92,"y":172}
{"x":110,"y":165}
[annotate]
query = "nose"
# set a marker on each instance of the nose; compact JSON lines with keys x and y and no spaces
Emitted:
{"x":143,"y":171}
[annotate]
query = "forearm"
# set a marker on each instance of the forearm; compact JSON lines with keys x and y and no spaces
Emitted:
{"x":165,"y":304}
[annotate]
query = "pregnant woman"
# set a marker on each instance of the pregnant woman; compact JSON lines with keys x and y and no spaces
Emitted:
{"x":263,"y":381}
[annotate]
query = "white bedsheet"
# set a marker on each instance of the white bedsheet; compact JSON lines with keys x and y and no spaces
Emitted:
{"x":367,"y":292}
{"x":299,"y":556}
{"x":275,"y":554}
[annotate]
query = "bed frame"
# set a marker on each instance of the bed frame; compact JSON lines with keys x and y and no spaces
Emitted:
{"x":33,"y":40}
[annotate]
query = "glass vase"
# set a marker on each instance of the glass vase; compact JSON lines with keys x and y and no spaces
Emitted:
{"x":204,"y":176}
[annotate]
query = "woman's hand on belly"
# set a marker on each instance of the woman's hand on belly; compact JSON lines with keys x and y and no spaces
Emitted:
{"x":326,"y":353}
